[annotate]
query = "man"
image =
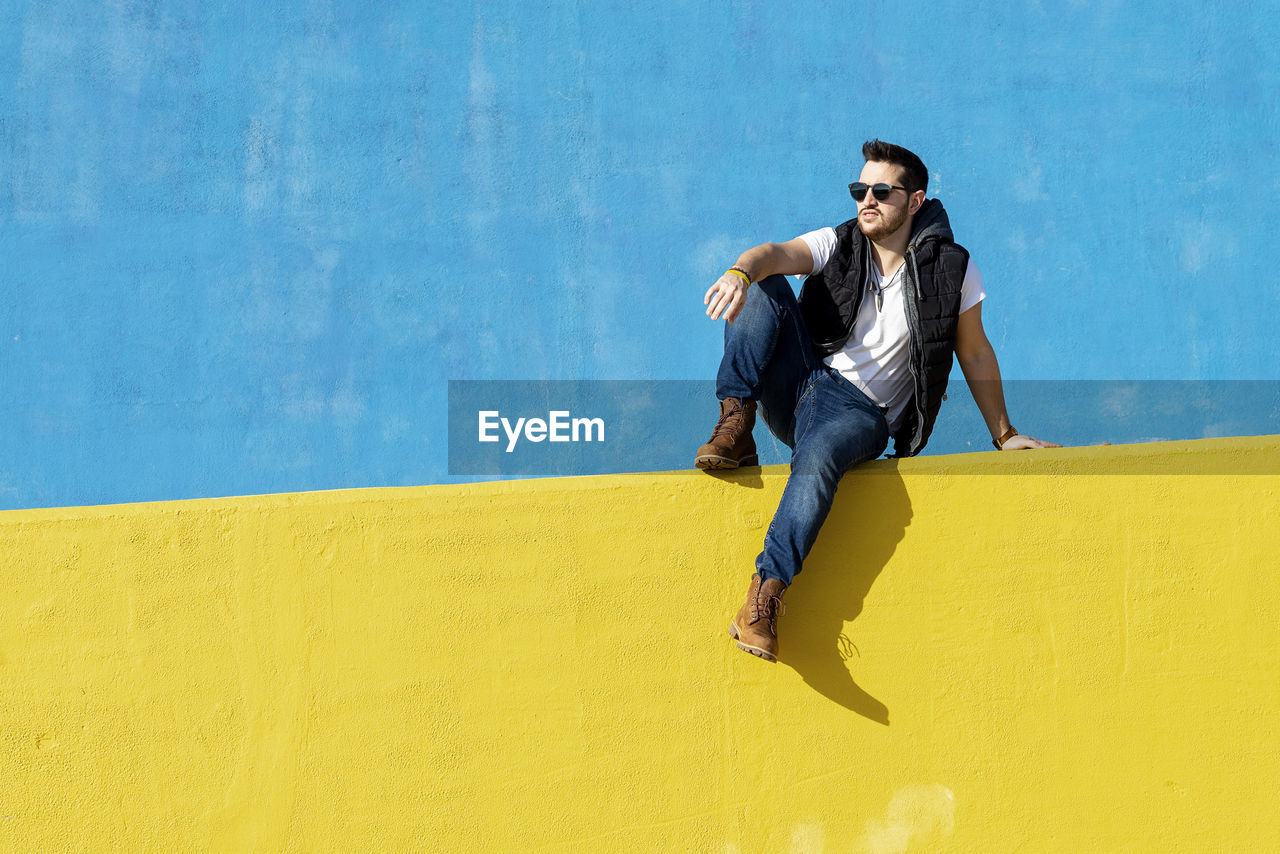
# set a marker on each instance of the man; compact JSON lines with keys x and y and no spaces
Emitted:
{"x":863,"y":355}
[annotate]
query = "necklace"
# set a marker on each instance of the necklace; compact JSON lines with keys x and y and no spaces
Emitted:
{"x":879,"y":289}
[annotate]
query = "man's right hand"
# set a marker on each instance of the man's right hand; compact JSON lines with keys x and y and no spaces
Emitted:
{"x":726,"y":297}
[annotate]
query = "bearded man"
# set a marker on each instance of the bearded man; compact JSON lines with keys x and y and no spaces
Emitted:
{"x":863,"y":355}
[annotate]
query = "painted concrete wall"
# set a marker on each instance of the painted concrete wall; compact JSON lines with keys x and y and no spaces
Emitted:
{"x":247,"y":245}
{"x":985,"y":653}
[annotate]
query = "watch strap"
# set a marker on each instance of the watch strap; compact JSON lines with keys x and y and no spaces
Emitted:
{"x":1008,"y":434}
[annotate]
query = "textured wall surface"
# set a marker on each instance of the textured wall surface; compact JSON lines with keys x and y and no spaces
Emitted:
{"x":985,"y":653}
{"x":246,"y":245}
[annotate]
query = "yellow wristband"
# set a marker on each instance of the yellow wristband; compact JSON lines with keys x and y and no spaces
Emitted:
{"x":738,"y":272}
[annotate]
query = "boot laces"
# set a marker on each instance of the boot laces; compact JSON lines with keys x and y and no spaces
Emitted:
{"x":731,"y":423}
{"x":769,"y":608}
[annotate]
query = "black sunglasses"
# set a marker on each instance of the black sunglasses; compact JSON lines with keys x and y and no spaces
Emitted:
{"x":881,"y":191}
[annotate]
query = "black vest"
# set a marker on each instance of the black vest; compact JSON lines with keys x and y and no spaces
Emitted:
{"x":934,"y":273}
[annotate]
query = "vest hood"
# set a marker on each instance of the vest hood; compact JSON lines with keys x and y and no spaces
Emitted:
{"x":931,"y":223}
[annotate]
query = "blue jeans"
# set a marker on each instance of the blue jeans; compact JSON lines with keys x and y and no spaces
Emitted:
{"x":828,"y":422}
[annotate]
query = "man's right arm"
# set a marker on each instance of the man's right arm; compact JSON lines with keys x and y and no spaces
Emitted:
{"x":727,"y":295}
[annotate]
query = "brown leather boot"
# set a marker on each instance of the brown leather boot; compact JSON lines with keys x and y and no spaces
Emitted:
{"x":731,"y":443}
{"x":756,"y":626}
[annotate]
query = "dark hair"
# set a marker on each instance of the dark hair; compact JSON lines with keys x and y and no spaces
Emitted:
{"x":914,"y":175}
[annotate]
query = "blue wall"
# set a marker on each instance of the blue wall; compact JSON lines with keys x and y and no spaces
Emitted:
{"x":247,"y":245}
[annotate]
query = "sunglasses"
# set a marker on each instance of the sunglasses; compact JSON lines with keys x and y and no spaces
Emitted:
{"x":881,"y":191}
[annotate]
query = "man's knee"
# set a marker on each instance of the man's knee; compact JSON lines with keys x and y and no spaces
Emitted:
{"x":832,"y":452}
{"x":821,"y":459}
{"x":765,"y":298}
{"x":776,"y":288}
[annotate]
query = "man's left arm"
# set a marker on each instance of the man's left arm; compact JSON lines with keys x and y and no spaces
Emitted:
{"x":982,"y":372}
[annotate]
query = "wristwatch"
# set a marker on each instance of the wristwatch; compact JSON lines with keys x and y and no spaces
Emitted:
{"x":1008,"y":434}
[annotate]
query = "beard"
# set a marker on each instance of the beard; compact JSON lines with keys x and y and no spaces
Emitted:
{"x":889,"y":221}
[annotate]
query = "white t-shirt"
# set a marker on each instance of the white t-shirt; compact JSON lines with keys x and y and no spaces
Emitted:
{"x":875,"y":358}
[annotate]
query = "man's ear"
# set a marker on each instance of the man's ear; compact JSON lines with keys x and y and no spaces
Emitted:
{"x":917,"y":202}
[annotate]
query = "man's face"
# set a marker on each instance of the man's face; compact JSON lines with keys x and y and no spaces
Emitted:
{"x":879,"y":219}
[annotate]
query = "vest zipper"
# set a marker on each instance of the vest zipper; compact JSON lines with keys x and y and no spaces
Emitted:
{"x":913,"y":327}
{"x":857,"y":305}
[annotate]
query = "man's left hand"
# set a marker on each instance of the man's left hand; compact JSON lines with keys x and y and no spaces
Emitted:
{"x":1020,"y":442}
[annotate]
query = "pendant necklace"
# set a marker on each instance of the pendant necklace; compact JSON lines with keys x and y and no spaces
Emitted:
{"x":879,"y":289}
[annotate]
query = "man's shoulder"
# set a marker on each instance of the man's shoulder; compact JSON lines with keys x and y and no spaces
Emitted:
{"x":953,"y":256}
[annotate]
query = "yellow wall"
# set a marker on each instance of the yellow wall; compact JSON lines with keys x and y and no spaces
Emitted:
{"x":986,"y":653}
